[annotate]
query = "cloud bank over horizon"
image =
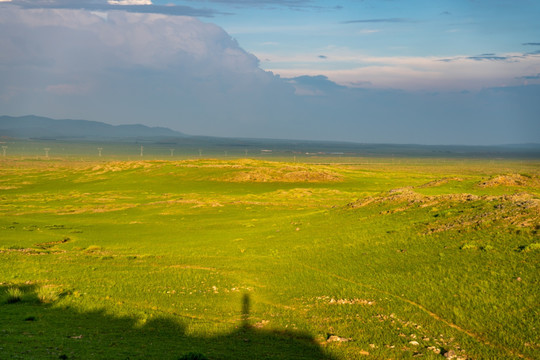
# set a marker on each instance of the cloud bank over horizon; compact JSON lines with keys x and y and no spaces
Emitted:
{"x":168,"y":70}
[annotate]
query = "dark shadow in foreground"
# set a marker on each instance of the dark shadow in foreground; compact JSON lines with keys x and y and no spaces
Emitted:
{"x":31,"y":329}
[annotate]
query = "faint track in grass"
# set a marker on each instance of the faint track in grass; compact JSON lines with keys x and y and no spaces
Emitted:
{"x":477,"y":337}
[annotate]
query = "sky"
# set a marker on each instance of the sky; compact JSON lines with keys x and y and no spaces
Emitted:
{"x":367,"y":71}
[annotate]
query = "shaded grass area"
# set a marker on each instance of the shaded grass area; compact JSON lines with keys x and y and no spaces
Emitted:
{"x":39,"y":330}
{"x":338,"y":261}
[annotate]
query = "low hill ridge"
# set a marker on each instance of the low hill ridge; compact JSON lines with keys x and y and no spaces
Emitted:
{"x":32,"y":126}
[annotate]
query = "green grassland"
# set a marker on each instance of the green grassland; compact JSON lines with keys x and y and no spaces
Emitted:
{"x":254,"y":259}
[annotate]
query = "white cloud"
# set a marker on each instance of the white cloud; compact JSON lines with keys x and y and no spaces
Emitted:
{"x":409,"y":73}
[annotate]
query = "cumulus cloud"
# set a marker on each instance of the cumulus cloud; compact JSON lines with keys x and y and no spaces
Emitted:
{"x":176,"y":71}
{"x":314,"y":85}
{"x":125,"y":67}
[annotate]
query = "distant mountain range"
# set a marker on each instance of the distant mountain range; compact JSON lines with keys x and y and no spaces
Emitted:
{"x":37,"y":127}
{"x":30,"y":128}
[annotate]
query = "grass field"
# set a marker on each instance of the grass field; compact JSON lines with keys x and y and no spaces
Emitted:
{"x":253,"y":259}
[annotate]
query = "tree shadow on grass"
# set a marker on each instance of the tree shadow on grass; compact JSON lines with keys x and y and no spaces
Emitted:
{"x":31,"y":329}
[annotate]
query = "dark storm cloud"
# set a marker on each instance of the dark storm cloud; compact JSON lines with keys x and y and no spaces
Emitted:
{"x":486,"y":57}
{"x":105,"y":6}
{"x":491,"y":57}
{"x":268,"y":4}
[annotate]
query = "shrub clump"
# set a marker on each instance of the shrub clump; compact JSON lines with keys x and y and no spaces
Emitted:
{"x":14,"y":295}
{"x":47,"y":294}
{"x":530,"y":247}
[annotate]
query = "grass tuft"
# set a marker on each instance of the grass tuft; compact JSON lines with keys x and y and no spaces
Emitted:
{"x":93,"y":249}
{"x":14,"y":295}
{"x":468,"y":247}
{"x":47,"y":295}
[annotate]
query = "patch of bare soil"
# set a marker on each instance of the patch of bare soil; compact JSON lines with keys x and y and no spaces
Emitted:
{"x":408,"y":198}
{"x":115,"y":166}
{"x":514,"y":180}
{"x":440,"y":182}
{"x":284,"y":174}
{"x":463,"y":211}
{"x":517,"y":210}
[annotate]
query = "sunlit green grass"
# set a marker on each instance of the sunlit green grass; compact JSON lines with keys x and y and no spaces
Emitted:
{"x":156,"y":258}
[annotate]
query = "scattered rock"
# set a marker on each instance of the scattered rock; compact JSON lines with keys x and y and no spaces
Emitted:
{"x":335,"y":338}
{"x":450,"y":354}
{"x":261,"y":324}
{"x":349,"y":301}
{"x":415,"y":343}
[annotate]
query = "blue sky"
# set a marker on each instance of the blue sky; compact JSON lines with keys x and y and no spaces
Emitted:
{"x":387,"y":41}
{"x":372,"y":71}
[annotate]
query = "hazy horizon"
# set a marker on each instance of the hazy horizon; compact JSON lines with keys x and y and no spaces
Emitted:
{"x":450,"y":73}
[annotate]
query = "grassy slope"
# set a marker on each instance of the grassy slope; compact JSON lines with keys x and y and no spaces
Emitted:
{"x":155,"y":259}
